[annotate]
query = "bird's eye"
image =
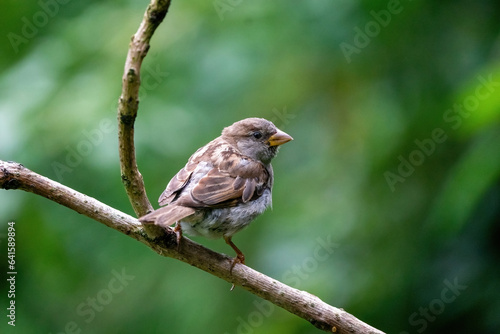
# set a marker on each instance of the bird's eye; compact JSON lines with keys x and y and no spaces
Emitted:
{"x":257,"y":134}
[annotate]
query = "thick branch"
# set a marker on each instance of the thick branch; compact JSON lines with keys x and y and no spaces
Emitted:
{"x":301,"y":303}
{"x":128,"y":105}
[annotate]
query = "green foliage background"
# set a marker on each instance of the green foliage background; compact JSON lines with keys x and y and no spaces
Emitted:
{"x":354,"y":120}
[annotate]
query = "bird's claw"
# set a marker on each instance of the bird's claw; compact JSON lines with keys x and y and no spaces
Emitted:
{"x":239,"y":258}
{"x":178,"y":234}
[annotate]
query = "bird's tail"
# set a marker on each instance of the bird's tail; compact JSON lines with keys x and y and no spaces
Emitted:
{"x":167,"y":215}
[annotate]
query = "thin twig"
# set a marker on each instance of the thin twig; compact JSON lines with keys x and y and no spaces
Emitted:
{"x":309,"y":307}
{"x":128,"y":105}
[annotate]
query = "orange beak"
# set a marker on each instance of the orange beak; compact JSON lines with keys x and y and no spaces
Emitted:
{"x":279,"y":138}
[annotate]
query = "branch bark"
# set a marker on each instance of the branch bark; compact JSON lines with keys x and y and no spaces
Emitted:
{"x":128,"y":105}
{"x":307,"y":306}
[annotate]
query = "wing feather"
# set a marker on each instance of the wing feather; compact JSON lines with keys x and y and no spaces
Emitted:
{"x":216,"y":187}
{"x":217,"y":176}
{"x":167,"y":215}
{"x":177,"y":183}
{"x":220,"y":188}
{"x":250,"y":185}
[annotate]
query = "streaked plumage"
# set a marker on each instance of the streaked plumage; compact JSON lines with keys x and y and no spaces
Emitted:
{"x":224,"y":185}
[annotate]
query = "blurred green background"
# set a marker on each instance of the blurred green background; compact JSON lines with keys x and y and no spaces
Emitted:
{"x":386,"y":204}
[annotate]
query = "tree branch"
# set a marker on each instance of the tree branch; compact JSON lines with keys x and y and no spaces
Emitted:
{"x":128,"y":105}
{"x":311,"y":308}
{"x":16,"y":176}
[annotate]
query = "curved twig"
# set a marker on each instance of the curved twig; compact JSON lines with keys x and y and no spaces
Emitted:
{"x":311,"y":308}
{"x":128,"y":105}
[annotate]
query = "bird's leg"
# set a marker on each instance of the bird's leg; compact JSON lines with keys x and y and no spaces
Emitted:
{"x":240,"y":258}
{"x":178,"y":233}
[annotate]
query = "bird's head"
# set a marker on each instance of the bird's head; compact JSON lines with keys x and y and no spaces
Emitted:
{"x":256,"y":138}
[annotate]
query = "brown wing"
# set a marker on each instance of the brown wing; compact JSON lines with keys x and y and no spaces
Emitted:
{"x":216,"y":175}
{"x":176,"y":184}
{"x":180,"y":180}
{"x":219,"y":188}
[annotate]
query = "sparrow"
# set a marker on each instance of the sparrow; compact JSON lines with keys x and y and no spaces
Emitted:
{"x":224,"y":185}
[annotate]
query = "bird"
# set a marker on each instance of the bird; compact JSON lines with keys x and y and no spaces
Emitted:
{"x":224,"y":185}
